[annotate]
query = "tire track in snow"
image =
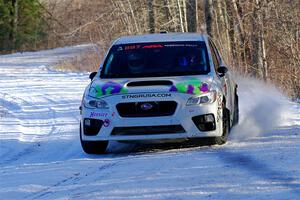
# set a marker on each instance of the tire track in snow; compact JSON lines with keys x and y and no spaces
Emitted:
{"x":36,"y":100}
{"x":71,"y":180}
{"x":20,"y":154}
{"x":18,"y":111}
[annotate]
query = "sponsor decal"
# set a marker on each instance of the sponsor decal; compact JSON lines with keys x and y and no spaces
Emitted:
{"x":132,"y":47}
{"x":219,"y":111}
{"x":181,"y":45}
{"x":106,"y":123}
{"x":153,"y":46}
{"x":225,"y":89}
{"x":146,"y":95}
{"x":97,"y":114}
{"x":108,"y":89}
{"x":191,"y":86}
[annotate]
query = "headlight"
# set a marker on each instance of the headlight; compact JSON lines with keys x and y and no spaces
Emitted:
{"x":209,"y":97}
{"x":90,"y":102}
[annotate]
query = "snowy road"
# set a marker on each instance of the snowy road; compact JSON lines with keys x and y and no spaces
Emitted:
{"x":41,"y":157}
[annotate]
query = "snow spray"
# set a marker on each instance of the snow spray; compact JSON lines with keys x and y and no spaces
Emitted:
{"x":262,"y":108}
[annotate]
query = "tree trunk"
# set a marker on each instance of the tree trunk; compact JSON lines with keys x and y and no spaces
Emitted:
{"x":167,"y":15}
{"x":185,"y":21}
{"x":180,"y":15}
{"x":243,"y":48}
{"x":133,"y":17}
{"x":263,"y":54}
{"x":171,"y":14}
{"x":232,"y":35}
{"x":13,"y":24}
{"x":192,"y":15}
{"x":151,"y":16}
{"x":259,"y":63}
{"x":209,"y":15}
{"x":222,"y":29}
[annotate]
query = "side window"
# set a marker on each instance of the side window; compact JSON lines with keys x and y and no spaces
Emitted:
{"x":216,"y":52}
{"x":214,"y":56}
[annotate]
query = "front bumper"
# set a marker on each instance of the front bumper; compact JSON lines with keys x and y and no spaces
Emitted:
{"x":151,"y":128}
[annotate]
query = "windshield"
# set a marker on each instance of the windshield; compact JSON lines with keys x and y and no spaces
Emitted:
{"x":156,"y":59}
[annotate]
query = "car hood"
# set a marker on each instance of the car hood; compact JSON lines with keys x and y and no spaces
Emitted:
{"x":189,"y":85}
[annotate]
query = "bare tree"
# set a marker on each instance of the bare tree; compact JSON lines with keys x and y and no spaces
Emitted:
{"x":192,"y":15}
{"x":259,"y":63}
{"x":151,"y":16}
{"x":209,"y":16}
{"x":179,"y":7}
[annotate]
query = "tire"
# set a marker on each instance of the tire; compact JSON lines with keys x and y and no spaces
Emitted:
{"x":93,"y":147}
{"x":236,"y":110}
{"x":226,"y":128}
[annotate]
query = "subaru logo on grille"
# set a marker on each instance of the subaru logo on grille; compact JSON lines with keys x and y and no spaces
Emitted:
{"x":146,"y":106}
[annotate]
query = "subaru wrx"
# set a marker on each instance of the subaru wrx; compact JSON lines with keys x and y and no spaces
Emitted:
{"x":159,"y":88}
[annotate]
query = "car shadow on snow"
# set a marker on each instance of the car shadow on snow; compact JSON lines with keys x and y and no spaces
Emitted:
{"x":283,"y":135}
{"x":276,"y":172}
{"x":130,"y":148}
{"x":260,"y":169}
{"x":14,"y":151}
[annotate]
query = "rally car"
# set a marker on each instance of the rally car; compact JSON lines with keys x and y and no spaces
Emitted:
{"x":167,"y":87}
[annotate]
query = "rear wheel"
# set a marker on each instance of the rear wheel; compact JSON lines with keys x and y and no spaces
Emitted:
{"x":93,"y":147}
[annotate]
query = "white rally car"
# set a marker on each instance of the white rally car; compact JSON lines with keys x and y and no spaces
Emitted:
{"x":159,"y":88}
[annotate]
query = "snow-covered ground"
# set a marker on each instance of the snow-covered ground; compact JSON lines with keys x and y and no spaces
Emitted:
{"x":41,"y":157}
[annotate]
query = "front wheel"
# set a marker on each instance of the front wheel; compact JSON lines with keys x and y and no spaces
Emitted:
{"x":93,"y":147}
{"x":226,"y":127}
{"x":236,"y":110}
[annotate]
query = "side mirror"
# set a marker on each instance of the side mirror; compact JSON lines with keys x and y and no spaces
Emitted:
{"x":92,"y":75}
{"x":222,"y":70}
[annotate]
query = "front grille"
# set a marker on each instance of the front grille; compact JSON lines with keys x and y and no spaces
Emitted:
{"x":147,"y":109}
{"x":148,"y":130}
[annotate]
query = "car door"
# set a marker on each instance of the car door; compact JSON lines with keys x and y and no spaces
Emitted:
{"x":225,"y":80}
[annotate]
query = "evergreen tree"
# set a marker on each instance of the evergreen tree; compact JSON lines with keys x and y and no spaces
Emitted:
{"x":5,"y":27}
{"x":21,"y":24}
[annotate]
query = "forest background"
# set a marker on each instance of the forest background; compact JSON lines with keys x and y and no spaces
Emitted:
{"x":259,"y":38}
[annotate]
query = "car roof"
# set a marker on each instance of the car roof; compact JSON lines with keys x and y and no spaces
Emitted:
{"x":161,"y":37}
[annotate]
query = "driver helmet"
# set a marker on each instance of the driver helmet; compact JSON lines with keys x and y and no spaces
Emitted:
{"x":135,"y":62}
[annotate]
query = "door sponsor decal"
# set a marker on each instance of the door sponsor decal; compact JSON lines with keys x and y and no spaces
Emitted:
{"x":219,"y":111}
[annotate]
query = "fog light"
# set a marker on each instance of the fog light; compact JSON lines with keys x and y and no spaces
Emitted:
{"x":92,"y":126}
{"x":205,"y":122}
{"x":209,"y":118}
{"x":87,"y":122}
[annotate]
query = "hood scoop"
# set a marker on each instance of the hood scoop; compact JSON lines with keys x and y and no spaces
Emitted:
{"x":149,"y":83}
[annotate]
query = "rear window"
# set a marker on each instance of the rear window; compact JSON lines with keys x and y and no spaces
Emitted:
{"x":156,"y":59}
